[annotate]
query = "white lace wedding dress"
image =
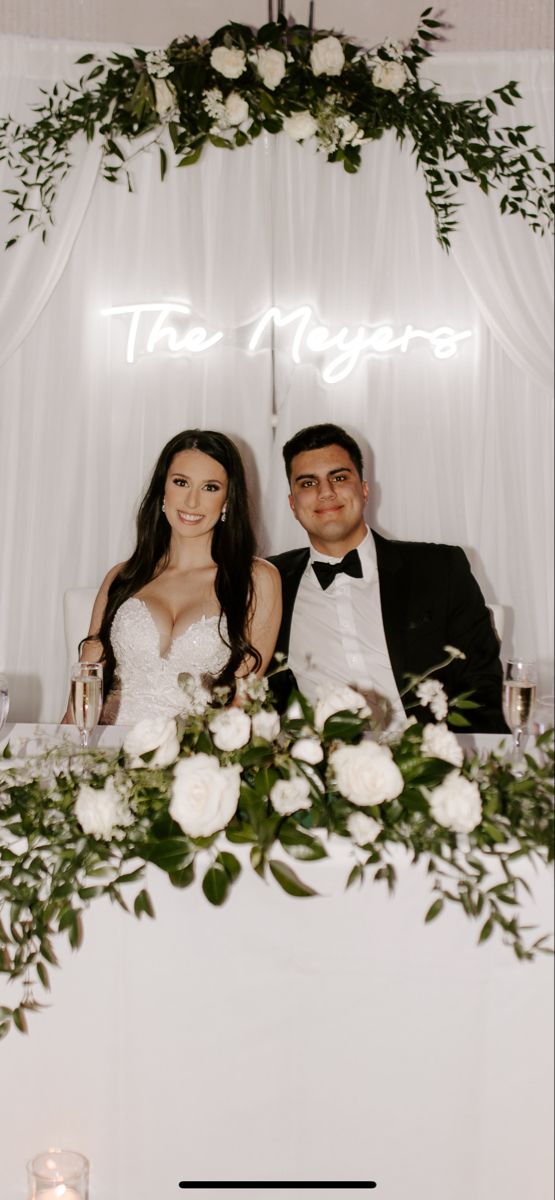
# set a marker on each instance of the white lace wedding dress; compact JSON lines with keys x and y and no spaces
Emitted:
{"x":148,"y":680}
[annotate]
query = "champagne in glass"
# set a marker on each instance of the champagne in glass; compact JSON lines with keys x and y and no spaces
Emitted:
{"x":86,"y":697}
{"x":519,"y":699}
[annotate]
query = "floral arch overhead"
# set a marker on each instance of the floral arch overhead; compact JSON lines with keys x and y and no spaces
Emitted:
{"x":312,"y":84}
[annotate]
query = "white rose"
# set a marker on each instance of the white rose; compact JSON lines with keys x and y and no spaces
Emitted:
{"x":152,"y":734}
{"x":366,"y":774}
{"x":439,"y":742}
{"x":456,"y":803}
{"x":99,"y":809}
{"x":204,"y":794}
{"x":391,"y":76}
{"x":289,"y":795}
{"x":299,"y":125}
{"x":271,"y":67}
{"x":349,"y":131}
{"x":230,"y":63}
{"x":336,"y":700}
{"x":230,"y":729}
{"x":327,"y":57}
{"x":432,"y":693}
{"x":266,"y":724}
{"x":165,"y":97}
{"x":308,"y":750}
{"x":236,"y":109}
{"x":363,"y":829}
{"x":295,"y":712}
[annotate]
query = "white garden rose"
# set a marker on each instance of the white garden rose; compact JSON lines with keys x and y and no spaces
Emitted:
{"x":363,"y":829}
{"x":439,"y":742}
{"x":230,"y":63}
{"x":289,"y":795}
{"x":152,"y":734}
{"x":236,"y":109}
{"x":431,"y":692}
{"x":336,"y":700}
{"x":295,"y":712}
{"x":299,"y":125}
{"x":204,"y":794}
{"x":271,"y":67}
{"x":391,"y":76}
{"x":98,"y":810}
{"x":266,"y":724}
{"x":456,"y":803}
{"x":327,"y":57}
{"x":308,"y":750}
{"x":349,"y":131}
{"x":230,"y":729}
{"x":366,"y":774}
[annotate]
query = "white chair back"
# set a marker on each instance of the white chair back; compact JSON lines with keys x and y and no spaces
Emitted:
{"x":78,"y":606}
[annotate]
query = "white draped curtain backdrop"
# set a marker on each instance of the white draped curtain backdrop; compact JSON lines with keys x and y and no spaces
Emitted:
{"x":458,"y":449}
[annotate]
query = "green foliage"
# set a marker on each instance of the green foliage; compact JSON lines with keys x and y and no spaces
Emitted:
{"x":117,"y":102}
{"x":52,"y":866}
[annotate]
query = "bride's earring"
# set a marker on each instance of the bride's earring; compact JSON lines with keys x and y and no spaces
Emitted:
{"x":163,"y":506}
{"x":222,"y":515}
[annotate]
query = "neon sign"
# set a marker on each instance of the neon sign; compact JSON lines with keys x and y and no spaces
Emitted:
{"x":168,"y":326}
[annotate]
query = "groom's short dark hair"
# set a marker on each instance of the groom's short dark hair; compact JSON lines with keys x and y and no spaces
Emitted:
{"x":316,"y":437}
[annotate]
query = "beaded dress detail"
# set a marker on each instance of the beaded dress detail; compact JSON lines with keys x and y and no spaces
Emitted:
{"x":148,"y":680}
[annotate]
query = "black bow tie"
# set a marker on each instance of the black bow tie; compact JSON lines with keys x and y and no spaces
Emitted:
{"x":326,"y":572}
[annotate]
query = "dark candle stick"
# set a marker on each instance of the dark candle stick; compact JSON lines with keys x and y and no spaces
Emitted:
{"x":280,"y":8}
{"x":270,"y":10}
{"x":311,"y":15}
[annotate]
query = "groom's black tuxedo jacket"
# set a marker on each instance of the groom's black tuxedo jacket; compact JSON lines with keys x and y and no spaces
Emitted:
{"x":429,"y":600}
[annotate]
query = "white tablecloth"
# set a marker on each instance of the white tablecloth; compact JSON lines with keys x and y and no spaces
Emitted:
{"x":275,"y":1039}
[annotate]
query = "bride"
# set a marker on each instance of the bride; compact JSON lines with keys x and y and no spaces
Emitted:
{"x":192,"y":598}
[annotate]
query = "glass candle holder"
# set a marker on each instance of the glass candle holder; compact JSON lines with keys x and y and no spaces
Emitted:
{"x":58,"y":1175}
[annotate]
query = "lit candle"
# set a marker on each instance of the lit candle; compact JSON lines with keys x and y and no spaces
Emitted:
{"x":59,"y":1192}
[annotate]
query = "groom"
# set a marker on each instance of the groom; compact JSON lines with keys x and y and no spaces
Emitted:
{"x":360,"y":609}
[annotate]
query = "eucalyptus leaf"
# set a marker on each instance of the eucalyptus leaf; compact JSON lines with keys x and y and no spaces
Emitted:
{"x":288,"y":880}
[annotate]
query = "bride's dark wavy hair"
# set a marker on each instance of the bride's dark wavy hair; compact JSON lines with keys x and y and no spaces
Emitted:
{"x":233,"y":548}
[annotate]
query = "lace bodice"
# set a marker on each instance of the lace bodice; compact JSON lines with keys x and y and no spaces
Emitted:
{"x":148,"y":680}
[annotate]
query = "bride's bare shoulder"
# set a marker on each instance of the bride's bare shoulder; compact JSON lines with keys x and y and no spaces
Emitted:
{"x":265,"y":575}
{"x":102,"y":597}
{"x":109,"y":578}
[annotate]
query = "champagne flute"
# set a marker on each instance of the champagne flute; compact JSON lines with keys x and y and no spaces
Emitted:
{"x":86,"y":697}
{"x":519,"y":697}
{"x":4,"y":700}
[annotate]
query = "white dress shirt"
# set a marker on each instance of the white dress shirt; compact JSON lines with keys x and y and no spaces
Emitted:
{"x":337,"y":634}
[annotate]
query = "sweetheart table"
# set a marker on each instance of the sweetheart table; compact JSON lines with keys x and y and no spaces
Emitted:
{"x":334,"y":1039}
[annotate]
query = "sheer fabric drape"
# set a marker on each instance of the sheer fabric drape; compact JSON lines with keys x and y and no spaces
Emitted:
{"x":458,"y":450}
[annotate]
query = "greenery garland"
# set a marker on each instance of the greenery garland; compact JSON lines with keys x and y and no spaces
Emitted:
{"x":225,"y":90}
{"x":77,"y":825}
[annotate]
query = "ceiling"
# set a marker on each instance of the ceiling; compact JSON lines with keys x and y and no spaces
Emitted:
{"x":476,"y":24}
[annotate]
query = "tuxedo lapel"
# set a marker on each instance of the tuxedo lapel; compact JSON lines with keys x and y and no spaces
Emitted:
{"x":393,"y":595}
{"x":291,"y":567}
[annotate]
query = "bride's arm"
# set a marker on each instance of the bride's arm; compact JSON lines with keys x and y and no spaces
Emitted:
{"x":265,"y":617}
{"x":91,"y":649}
